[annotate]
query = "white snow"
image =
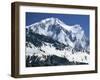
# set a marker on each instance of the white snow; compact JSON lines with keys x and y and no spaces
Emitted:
{"x":50,"y":50}
{"x":62,"y":37}
{"x":76,"y":31}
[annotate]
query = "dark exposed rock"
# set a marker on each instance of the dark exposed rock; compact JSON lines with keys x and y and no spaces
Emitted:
{"x":52,"y":60}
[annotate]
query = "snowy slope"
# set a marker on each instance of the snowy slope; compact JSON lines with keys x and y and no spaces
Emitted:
{"x":52,"y":42}
{"x":51,"y":50}
{"x":53,"y":27}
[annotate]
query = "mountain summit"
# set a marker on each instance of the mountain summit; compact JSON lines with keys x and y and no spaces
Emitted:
{"x":72,"y":36}
{"x":54,"y":34}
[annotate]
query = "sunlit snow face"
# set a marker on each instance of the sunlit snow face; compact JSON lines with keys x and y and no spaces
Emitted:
{"x":68,"y":19}
{"x":55,"y":36}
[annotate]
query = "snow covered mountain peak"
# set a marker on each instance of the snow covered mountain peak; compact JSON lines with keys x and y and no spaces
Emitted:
{"x":55,"y":22}
{"x":52,"y":42}
{"x":58,"y":30}
{"x":48,"y":21}
{"x":52,"y":20}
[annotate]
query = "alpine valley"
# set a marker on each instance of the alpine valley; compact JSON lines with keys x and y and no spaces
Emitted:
{"x":51,"y":42}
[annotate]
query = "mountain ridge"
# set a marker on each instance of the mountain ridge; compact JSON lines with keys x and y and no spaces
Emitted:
{"x":51,"y":38}
{"x":55,"y":28}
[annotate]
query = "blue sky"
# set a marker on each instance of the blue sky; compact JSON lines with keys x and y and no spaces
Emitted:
{"x":68,"y":19}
